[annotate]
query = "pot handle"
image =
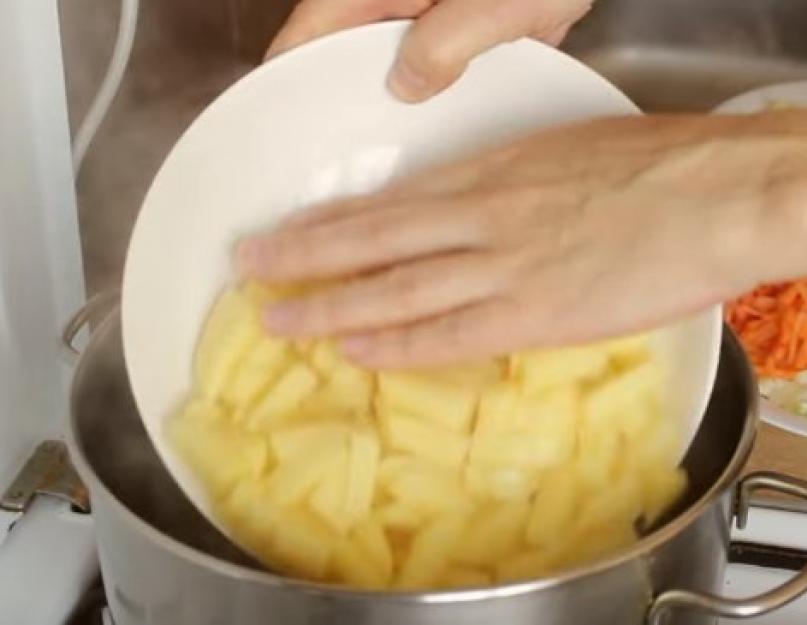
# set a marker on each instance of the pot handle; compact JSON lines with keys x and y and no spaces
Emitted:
{"x":752,"y":606}
{"x":94,"y":306}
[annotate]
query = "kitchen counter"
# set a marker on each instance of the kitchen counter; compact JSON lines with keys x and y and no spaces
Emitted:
{"x":780,"y":451}
{"x":777,"y":450}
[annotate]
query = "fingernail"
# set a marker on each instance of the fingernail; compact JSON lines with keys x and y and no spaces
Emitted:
{"x":407,"y":84}
{"x":357,"y":346}
{"x":281,"y":317}
{"x":248,"y":256}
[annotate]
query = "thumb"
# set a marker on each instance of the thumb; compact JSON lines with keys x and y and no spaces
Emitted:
{"x":439,"y":45}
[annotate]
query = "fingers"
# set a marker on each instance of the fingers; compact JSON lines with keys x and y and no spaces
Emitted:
{"x":553,"y":37}
{"x":443,"y":41}
{"x":478,"y":331}
{"x":396,"y":296}
{"x":315,"y":18}
{"x":359,"y":243}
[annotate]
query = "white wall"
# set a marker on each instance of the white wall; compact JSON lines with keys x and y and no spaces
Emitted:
{"x":41,"y":281}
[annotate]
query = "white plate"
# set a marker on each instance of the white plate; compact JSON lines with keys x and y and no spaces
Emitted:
{"x":794,"y":93}
{"x":313,"y":124}
{"x":759,"y":99}
{"x":781,"y":418}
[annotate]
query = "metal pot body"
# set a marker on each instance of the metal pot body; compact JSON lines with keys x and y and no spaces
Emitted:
{"x":164,"y":564}
{"x":147,"y":582}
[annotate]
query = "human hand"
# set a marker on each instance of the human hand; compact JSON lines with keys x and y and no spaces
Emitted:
{"x":570,"y":235}
{"x":447,"y":35}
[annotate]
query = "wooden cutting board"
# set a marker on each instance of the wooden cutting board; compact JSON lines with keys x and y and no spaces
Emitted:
{"x":780,"y":451}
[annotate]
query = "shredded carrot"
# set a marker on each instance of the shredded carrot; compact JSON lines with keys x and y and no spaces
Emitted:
{"x":771,"y":322}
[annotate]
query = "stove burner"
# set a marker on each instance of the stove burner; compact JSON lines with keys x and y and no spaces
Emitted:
{"x":767,"y":556}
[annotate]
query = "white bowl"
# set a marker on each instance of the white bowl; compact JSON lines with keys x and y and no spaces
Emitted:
{"x":313,"y":124}
{"x":792,"y":93}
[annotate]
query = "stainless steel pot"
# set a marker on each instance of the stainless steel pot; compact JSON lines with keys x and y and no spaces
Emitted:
{"x":163,"y":564}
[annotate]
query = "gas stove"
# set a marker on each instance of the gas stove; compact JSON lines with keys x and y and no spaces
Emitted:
{"x":741,"y":580}
{"x":771,"y":549}
{"x":744,"y":580}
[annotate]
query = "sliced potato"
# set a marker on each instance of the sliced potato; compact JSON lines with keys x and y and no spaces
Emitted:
{"x":539,"y":371}
{"x":220,"y":454}
{"x":294,"y":480}
{"x":232,"y":327}
{"x":370,"y":536}
{"x":554,"y":509}
{"x":283,"y":398}
{"x":255,"y":373}
{"x":408,"y":434}
{"x":435,"y":401}
{"x":452,"y":477}
{"x":302,"y":544}
{"x":494,"y":533}
{"x":429,"y":555}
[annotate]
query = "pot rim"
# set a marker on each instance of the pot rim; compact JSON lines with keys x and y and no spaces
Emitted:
{"x":642,"y":547}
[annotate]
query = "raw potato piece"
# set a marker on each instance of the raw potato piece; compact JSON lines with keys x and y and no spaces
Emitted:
{"x":554,"y":509}
{"x":307,"y":440}
{"x":400,"y":517}
{"x":325,"y":359}
{"x":349,"y":390}
{"x":292,"y":481}
{"x":220,"y":453}
{"x":362,"y":466}
{"x":498,"y":408}
{"x":527,"y":565}
{"x":452,"y":477}
{"x":427,"y":493}
{"x":540,"y":371}
{"x":494,"y":534}
{"x":352,"y":565}
{"x":329,"y":497}
{"x":302,"y":544}
{"x":522,"y":448}
{"x":500,"y":483}
{"x":250,"y":516}
{"x":438,"y":402}
{"x":411,"y":435}
{"x":598,"y":455}
{"x":610,"y":399}
{"x":370,"y":537}
{"x":475,"y":376}
{"x":431,"y":550}
{"x":463,"y":577}
{"x":231,"y":329}
{"x":254,"y":374}
{"x":629,"y":351}
{"x":660,"y":488}
{"x":281,"y":401}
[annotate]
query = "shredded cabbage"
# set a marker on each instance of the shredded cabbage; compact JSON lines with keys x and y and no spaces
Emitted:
{"x":789,"y":395}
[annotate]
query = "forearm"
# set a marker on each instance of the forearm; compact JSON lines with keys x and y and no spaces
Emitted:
{"x":724,"y":194}
{"x":774,"y":148}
